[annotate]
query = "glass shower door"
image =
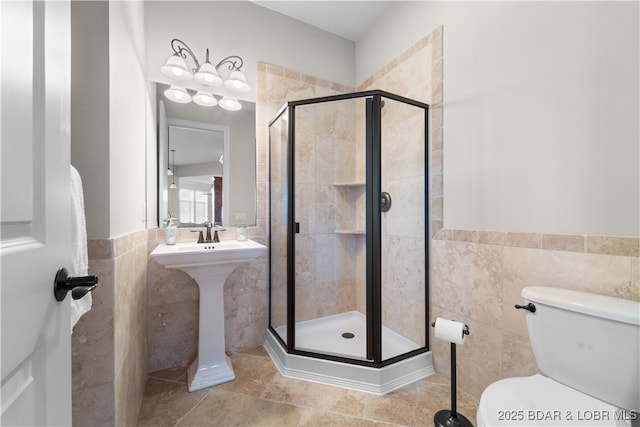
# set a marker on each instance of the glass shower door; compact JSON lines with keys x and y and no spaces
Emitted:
{"x":279,"y":201}
{"x":330,"y":253}
{"x":404,"y":237}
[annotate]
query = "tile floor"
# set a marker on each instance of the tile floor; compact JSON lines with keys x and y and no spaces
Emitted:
{"x":260,"y":396}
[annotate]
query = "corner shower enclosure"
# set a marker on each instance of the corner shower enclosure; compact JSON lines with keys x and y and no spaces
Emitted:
{"x":348,"y":300}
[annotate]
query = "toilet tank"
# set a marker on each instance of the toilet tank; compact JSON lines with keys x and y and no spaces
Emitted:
{"x":588,"y":342}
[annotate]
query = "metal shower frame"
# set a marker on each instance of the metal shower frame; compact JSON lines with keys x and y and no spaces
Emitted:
{"x":374,"y":104}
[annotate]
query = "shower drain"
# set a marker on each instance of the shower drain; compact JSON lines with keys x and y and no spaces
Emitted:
{"x":348,"y":335}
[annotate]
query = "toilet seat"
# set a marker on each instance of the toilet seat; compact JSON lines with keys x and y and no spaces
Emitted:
{"x":540,"y":401}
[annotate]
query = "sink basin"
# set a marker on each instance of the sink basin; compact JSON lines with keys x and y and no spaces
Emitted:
{"x":195,"y":254}
{"x":209,"y":264}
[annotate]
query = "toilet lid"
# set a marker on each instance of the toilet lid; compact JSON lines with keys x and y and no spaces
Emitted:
{"x":540,"y":401}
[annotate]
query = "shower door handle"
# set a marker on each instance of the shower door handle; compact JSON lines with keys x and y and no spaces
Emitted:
{"x":296,"y":227}
{"x":385,"y":201}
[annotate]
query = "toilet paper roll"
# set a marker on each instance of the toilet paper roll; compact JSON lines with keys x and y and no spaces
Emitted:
{"x":450,"y":330}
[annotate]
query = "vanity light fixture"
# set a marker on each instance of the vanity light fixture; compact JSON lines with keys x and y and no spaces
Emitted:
{"x":173,"y":179}
{"x":231,"y":104}
{"x":205,"y":74}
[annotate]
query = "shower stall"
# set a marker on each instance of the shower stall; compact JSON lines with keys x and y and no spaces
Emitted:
{"x":349,"y":244}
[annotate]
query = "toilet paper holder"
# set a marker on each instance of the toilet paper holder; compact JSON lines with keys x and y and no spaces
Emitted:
{"x":451,"y":417}
{"x":465,"y":331}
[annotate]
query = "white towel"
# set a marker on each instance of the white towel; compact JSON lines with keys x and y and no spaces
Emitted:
{"x":79,"y":257}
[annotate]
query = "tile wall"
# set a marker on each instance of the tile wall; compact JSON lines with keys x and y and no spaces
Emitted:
{"x":325,"y":261}
{"x":109,"y":345}
{"x":477,"y":277}
{"x":276,"y":86}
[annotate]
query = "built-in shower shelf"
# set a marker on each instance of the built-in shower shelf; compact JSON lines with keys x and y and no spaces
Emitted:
{"x":350,"y":184}
{"x":358,"y":232}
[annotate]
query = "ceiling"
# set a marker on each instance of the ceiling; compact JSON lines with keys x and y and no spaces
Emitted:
{"x":348,"y":19}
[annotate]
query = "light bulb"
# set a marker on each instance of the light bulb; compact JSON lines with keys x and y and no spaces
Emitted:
{"x":178,"y":94}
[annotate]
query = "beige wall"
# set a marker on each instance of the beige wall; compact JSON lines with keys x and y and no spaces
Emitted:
{"x":541,"y":134}
{"x":90,"y":110}
{"x":128,"y":100}
{"x":110,"y":105}
{"x":246,"y":29}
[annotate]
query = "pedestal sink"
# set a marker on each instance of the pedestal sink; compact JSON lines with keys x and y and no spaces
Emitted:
{"x":209,"y":264}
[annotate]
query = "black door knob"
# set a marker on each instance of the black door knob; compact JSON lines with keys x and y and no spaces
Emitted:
{"x":79,"y":286}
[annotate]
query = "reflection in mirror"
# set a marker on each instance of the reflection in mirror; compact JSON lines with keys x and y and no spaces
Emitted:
{"x":206,"y":164}
{"x":197,"y":154}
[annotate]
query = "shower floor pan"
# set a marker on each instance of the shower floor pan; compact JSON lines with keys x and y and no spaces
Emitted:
{"x":325,"y":335}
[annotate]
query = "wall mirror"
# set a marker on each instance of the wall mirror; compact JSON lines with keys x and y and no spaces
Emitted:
{"x":206,"y":163}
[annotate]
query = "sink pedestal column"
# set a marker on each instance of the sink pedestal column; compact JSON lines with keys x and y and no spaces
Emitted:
{"x":212,"y":366}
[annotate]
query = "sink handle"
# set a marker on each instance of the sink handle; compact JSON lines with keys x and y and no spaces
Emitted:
{"x":200,"y":236}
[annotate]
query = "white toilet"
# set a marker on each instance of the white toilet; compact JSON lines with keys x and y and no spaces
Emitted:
{"x":587,"y":348}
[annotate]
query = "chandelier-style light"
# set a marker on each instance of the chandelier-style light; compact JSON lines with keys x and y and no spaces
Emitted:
{"x":205,"y":74}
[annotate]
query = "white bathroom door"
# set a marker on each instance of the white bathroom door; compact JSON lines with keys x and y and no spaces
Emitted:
{"x":34,"y":212}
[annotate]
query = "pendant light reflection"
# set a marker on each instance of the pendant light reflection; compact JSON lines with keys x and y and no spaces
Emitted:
{"x":205,"y":99}
{"x":178,"y":94}
{"x":173,"y":180}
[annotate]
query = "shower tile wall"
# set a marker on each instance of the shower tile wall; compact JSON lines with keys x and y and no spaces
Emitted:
{"x":330,"y":139}
{"x":321,"y":272}
{"x":325,"y":261}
